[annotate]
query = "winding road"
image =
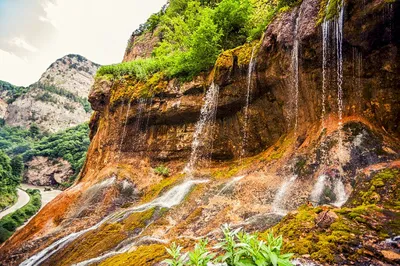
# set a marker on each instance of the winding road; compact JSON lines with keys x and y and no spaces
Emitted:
{"x":23,"y":199}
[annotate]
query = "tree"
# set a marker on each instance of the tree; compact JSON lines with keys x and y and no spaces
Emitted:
{"x":231,"y":16}
{"x":34,"y":130}
{"x":17,"y":166}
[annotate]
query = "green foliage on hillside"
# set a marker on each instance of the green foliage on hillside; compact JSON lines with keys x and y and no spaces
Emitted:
{"x":71,"y":144}
{"x":193,"y":34}
{"x":9,"y":223}
{"x":10,"y":177}
{"x":12,"y":92}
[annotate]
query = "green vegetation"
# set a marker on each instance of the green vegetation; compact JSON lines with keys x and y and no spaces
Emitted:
{"x":195,"y":32}
{"x":12,"y":92}
{"x":9,"y":223}
{"x":329,"y":10}
{"x":162,"y":170}
{"x":237,"y":248}
{"x":371,"y":214}
{"x":10,"y":177}
{"x":71,"y":145}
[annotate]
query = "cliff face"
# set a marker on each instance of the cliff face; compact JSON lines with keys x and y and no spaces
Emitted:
{"x":328,"y":127}
{"x":141,"y":46}
{"x":56,"y":101}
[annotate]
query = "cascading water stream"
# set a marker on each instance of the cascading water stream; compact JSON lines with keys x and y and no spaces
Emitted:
{"x":202,"y":138}
{"x":337,"y":25}
{"x":124,"y":130}
{"x":340,"y":192}
{"x":325,"y":57}
{"x":280,"y":195}
{"x":252,"y":65}
{"x":339,"y":59}
{"x":295,"y":73}
{"x":171,"y":198}
{"x":230,"y":184}
{"x":139,"y":120}
{"x":318,"y":189}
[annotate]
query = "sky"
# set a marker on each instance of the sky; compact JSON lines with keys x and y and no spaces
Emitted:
{"x":35,"y":33}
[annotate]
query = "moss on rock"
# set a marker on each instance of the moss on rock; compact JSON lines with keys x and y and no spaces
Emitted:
{"x":143,"y":255}
{"x":371,"y":217}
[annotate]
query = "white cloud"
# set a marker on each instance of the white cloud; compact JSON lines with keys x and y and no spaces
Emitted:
{"x":21,"y":43}
{"x":96,"y":29}
{"x":17,"y":70}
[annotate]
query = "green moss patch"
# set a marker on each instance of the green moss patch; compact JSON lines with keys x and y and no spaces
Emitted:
{"x":143,"y":255}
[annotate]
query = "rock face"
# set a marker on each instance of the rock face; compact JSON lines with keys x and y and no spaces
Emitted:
{"x":293,"y":150}
{"x":59,"y":99}
{"x":3,"y":108}
{"x":43,"y":171}
{"x":73,"y":73}
{"x":141,"y":46}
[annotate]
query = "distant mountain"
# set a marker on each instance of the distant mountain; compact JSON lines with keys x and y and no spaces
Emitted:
{"x":57,"y":101}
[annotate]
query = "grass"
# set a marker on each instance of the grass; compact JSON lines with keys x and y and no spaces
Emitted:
{"x":140,"y":69}
{"x":162,"y":170}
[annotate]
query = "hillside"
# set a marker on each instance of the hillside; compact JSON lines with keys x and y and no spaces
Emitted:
{"x":274,"y":117}
{"x":57,"y":101}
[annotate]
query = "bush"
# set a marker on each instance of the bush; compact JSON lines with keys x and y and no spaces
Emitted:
{"x":162,"y":170}
{"x":4,"y":234}
{"x":237,"y":248}
{"x":9,"y":223}
{"x":194,"y":32}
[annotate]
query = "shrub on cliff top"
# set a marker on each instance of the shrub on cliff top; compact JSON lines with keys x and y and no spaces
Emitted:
{"x":195,"y":32}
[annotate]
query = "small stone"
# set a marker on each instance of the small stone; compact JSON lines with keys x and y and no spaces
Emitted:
{"x":326,"y":218}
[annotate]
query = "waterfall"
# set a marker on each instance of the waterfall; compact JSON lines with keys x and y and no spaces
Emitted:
{"x":252,"y":65}
{"x":318,"y":189}
{"x":230,"y":184}
{"x":340,"y":192}
{"x":280,"y":195}
{"x":325,"y":69}
{"x":295,"y":73}
{"x":339,"y":59}
{"x":202,"y":138}
{"x":171,"y":198}
{"x":124,"y":130}
{"x":138,"y":123}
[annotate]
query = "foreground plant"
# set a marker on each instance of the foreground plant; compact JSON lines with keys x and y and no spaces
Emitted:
{"x":237,"y":248}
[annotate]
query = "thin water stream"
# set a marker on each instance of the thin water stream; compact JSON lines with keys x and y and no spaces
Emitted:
{"x":171,"y":198}
{"x":280,"y":196}
{"x":250,"y":71}
{"x":295,"y":73}
{"x":202,"y":138}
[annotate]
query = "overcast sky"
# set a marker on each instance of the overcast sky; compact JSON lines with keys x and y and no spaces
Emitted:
{"x":35,"y":33}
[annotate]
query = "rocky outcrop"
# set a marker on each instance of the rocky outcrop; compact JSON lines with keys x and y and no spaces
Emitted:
{"x":59,"y":99}
{"x":142,"y":45}
{"x":73,"y":73}
{"x":3,"y":108}
{"x":50,"y":111}
{"x":139,"y":125}
{"x":43,"y":171}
